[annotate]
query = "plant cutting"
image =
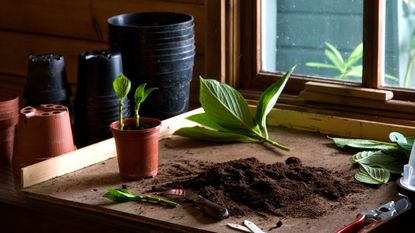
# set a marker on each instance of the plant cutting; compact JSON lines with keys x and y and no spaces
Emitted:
{"x":226,"y":114}
{"x":379,"y":159}
{"x":124,"y":195}
{"x":136,"y":139}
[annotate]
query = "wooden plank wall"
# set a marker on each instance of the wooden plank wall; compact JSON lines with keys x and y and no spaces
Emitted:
{"x":69,"y":27}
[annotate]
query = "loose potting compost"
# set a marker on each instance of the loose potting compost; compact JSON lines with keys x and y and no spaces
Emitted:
{"x":283,"y":189}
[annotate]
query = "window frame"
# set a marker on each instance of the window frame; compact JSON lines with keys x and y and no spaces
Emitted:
{"x":232,"y":52}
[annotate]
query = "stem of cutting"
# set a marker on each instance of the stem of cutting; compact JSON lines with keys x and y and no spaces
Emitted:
{"x":157,"y":199}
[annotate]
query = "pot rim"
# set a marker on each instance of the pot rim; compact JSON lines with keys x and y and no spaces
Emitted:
{"x":114,"y":125}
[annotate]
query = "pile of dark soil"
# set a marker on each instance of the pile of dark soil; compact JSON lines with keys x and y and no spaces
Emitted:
{"x":284,"y":189}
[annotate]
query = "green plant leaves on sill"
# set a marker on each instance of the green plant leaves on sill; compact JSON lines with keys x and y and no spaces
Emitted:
{"x":379,"y":159}
{"x":363,"y":144}
{"x":372,"y":175}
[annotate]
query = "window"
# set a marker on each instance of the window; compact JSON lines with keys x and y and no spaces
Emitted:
{"x":300,"y":31}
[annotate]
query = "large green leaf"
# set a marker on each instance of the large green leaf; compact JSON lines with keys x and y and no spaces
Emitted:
{"x":212,"y":135}
{"x":269,"y":98}
{"x":203,"y":119}
{"x":372,"y":158}
{"x":224,"y":105}
{"x":122,"y":86}
{"x":363,"y":144}
{"x":379,"y":174}
{"x":362,"y":176}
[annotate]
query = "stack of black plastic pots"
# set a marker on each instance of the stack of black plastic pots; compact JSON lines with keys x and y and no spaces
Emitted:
{"x":96,"y":104}
{"x":46,"y":81}
{"x":157,"y":48}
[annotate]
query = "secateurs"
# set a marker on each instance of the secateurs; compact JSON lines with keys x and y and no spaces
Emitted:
{"x":368,"y":219}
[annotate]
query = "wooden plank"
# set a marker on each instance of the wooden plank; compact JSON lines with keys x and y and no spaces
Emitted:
{"x":337,"y":89}
{"x":391,"y":105}
{"x":16,"y":47}
{"x":88,"y":19}
{"x":336,"y":126}
{"x":89,"y":155}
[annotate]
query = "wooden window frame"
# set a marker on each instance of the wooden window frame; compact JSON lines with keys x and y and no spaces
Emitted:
{"x":240,"y":49}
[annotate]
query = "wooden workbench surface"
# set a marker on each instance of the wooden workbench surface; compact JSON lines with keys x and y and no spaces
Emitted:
{"x":83,"y":189}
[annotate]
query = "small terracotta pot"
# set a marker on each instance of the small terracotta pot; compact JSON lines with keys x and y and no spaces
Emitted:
{"x":9,"y":107}
{"x":137,"y":150}
{"x":43,"y":132}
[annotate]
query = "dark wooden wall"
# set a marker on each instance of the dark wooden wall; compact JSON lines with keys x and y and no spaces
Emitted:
{"x":69,"y":27}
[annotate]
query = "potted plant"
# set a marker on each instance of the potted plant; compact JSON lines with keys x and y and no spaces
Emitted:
{"x":136,"y":139}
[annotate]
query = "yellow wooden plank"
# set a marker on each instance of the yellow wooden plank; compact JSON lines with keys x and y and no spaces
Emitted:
{"x":336,"y":126}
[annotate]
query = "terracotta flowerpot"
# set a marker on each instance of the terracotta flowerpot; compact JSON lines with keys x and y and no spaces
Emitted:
{"x":137,"y":150}
{"x":43,"y":132}
{"x":9,"y":107}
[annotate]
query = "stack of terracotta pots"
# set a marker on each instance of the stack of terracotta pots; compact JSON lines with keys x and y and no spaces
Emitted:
{"x":9,"y":107}
{"x":43,"y":132}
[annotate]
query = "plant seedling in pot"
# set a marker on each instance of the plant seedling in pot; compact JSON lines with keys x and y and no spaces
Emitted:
{"x":122,"y":86}
{"x":226,"y":114}
{"x":136,"y":139}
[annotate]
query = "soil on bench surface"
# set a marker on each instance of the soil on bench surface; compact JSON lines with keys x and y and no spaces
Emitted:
{"x":248,"y":186}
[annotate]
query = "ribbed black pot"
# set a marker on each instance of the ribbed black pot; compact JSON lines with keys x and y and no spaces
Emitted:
{"x":47,"y":81}
{"x":96,"y":103}
{"x":155,"y":45}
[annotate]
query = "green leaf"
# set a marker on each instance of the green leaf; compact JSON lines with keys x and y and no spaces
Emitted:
{"x":363,"y":144}
{"x":393,"y":167}
{"x":224,"y":105}
{"x":141,"y":93}
{"x":372,"y":158}
{"x":397,"y":137}
{"x":269,"y":98}
{"x":355,"y":56}
{"x":122,"y":86}
{"x":203,"y":119}
{"x":120,"y":195}
{"x":335,"y":57}
{"x":212,"y":135}
{"x":380,"y":175}
{"x":362,"y":176}
{"x":320,"y":65}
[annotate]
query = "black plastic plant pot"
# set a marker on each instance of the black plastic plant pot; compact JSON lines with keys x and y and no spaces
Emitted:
{"x":172,"y":96}
{"x":151,"y":22}
{"x":166,"y":58}
{"x":96,"y":72}
{"x":131,"y":45}
{"x":149,"y":52}
{"x":150,"y":68}
{"x":46,"y":77}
